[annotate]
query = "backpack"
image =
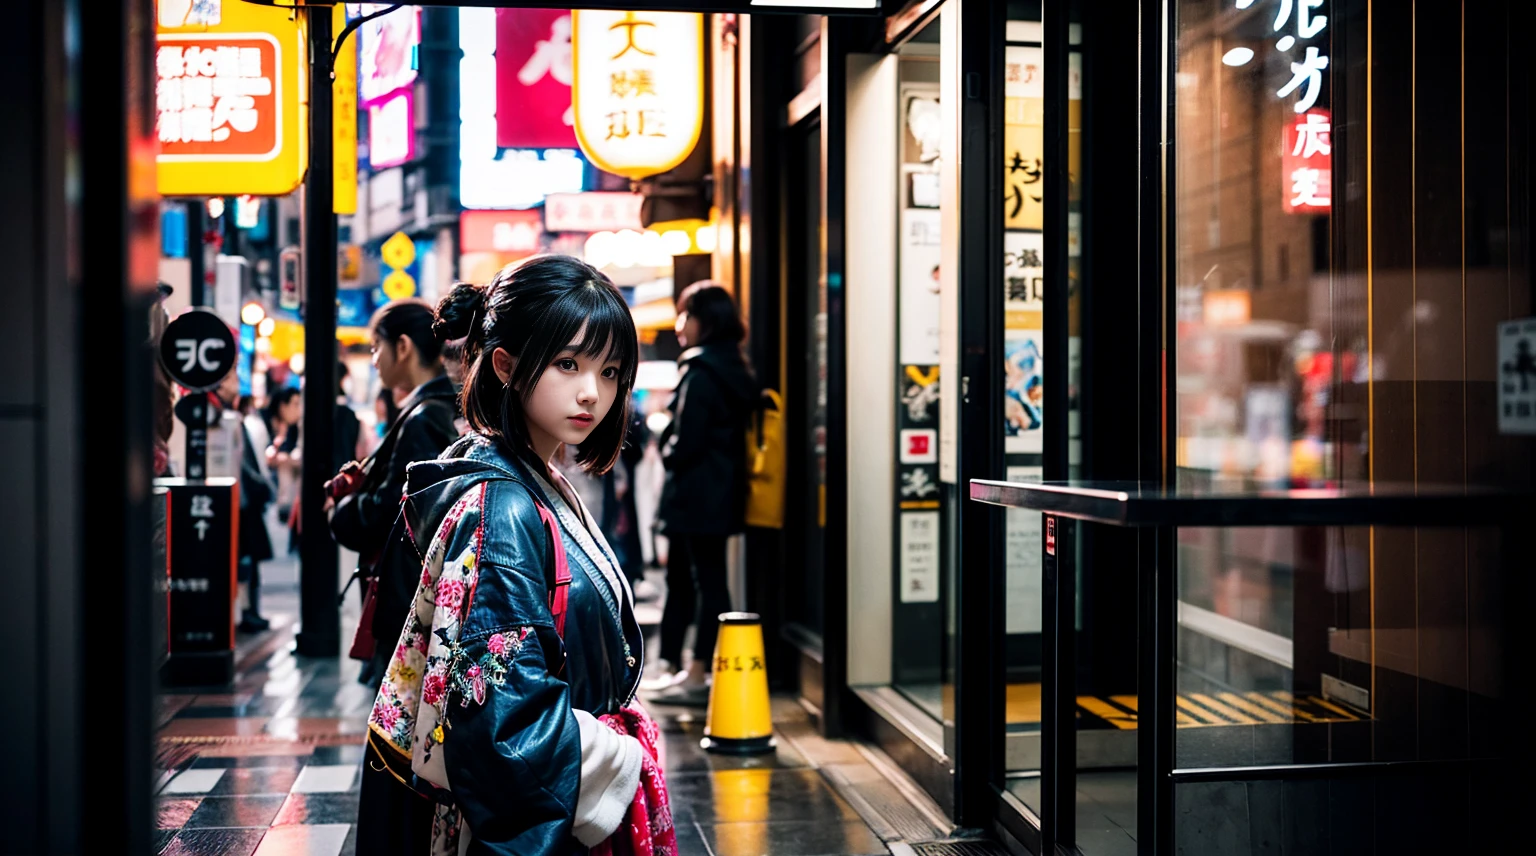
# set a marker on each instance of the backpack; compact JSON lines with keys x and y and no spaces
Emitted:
{"x":765,"y":463}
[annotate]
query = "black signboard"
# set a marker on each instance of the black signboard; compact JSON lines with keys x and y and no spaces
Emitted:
{"x":201,"y":547}
{"x":198,"y":350}
{"x":754,"y":7}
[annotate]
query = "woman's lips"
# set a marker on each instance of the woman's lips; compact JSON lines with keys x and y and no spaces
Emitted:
{"x":582,"y":419}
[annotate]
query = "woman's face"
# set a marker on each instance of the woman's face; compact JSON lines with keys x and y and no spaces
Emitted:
{"x":386,"y":358}
{"x":291,"y":410}
{"x":687,"y":328}
{"x":571,"y":399}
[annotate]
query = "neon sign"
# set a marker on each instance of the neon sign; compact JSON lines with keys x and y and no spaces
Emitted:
{"x":489,"y":176}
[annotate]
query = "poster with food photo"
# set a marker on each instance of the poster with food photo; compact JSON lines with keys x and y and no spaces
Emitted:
{"x":1023,"y":391}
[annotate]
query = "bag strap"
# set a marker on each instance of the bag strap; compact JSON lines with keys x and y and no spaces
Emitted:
{"x":391,"y":435}
{"x":558,"y":592}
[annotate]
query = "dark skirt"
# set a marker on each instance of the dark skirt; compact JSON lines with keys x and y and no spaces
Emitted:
{"x":392,"y":819}
{"x":255,"y":544}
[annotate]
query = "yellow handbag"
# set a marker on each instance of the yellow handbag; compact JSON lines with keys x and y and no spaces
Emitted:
{"x":765,"y":464}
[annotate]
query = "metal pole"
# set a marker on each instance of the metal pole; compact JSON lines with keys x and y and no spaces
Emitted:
{"x":320,"y":621}
{"x":197,"y":257}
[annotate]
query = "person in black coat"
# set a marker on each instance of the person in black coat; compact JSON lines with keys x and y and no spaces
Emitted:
{"x":255,"y":546}
{"x":703,"y":500}
{"x":407,"y":355}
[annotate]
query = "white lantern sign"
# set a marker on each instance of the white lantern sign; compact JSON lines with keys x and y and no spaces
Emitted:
{"x":639,"y":88}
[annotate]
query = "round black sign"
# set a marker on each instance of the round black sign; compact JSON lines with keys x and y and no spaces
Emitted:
{"x":197,"y":350}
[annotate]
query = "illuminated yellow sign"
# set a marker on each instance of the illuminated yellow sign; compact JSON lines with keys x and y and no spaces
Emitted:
{"x":638,"y":88}
{"x":230,"y":98}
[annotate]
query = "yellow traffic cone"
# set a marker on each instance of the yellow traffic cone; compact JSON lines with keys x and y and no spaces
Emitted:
{"x":739,"y":721}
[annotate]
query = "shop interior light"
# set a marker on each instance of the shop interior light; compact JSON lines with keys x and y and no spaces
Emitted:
{"x":676,"y":242}
{"x":653,"y":250}
{"x":1237,"y":56}
{"x":598,"y":250}
{"x":265,"y":327}
{"x":296,"y":364}
{"x":626,"y":248}
{"x":215,"y":207}
{"x":264,"y":344}
{"x":252,"y":314}
{"x":704,"y":239}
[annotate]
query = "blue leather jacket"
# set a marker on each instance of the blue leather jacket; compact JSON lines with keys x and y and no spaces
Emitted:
{"x":514,"y":763}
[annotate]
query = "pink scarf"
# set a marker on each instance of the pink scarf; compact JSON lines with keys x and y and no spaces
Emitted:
{"x":648,"y":826}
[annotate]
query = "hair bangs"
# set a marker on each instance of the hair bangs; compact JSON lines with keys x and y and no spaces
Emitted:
{"x":610,"y":331}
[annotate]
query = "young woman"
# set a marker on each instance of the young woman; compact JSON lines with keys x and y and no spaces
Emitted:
{"x":406,"y":354}
{"x":508,"y":695}
{"x":284,"y":409}
{"x":704,"y":498}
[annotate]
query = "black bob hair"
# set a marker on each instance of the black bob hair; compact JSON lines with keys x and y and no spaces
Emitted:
{"x":709,"y":303}
{"x":533,"y":309}
{"x":411,"y":317}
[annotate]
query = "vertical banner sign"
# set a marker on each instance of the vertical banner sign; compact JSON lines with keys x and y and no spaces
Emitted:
{"x":230,"y":93}
{"x":534,"y":69}
{"x":1306,"y":163}
{"x":344,"y":121}
{"x":638,"y":89}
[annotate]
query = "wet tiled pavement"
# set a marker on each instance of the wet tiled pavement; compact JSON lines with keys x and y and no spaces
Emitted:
{"x":272,"y":768}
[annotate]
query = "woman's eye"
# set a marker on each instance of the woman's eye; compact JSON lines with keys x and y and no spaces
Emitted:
{"x":610,"y":373}
{"x":566,"y":364}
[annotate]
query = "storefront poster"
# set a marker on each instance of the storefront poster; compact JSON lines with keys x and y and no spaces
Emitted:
{"x":919,"y":556}
{"x":1023,"y":280}
{"x":1023,"y":391}
{"x":1023,"y":591}
{"x":918,"y":330}
{"x":1023,"y":133}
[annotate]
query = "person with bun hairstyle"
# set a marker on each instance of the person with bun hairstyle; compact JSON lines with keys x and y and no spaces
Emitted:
{"x":506,"y":720}
{"x":407,"y":354}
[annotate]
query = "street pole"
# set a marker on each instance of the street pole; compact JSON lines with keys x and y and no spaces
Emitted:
{"x":197,"y":257}
{"x":320,"y":619}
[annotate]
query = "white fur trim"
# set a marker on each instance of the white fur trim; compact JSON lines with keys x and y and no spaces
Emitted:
{"x":610,"y":777}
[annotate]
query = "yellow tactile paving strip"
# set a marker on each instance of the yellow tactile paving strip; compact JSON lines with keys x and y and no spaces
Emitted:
{"x":1194,"y":710}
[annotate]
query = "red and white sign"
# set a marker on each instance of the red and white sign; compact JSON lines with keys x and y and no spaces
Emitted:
{"x":392,"y":129}
{"x":919,"y":446}
{"x":387,"y":51}
{"x":1050,"y":535}
{"x":1306,"y":163}
{"x":216,"y":97}
{"x":533,"y":79}
{"x":597,"y":211}
{"x":510,"y":233}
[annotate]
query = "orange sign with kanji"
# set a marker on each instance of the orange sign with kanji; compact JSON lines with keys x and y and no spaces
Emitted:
{"x":230,"y":98}
{"x":217,"y":97}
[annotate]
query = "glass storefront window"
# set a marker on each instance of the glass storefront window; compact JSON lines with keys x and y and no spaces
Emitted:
{"x":1343,"y":237}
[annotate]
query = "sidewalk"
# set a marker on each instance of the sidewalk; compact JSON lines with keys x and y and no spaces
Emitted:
{"x":272,"y":769}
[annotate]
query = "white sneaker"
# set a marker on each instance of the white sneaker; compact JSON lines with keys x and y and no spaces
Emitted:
{"x":683,"y":692}
{"x":646,"y":590}
{"x":663,"y":676}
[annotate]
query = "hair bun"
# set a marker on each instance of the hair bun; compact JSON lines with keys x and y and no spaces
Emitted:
{"x":457,"y":312}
